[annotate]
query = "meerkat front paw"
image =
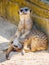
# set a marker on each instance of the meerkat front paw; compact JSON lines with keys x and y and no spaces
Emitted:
{"x":26,"y":48}
{"x":23,"y":36}
{"x":23,"y":52}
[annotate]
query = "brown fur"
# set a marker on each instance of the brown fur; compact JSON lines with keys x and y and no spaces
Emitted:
{"x":37,"y":41}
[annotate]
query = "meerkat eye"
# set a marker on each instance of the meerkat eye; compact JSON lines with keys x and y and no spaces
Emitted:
{"x":21,"y":10}
{"x":26,"y":9}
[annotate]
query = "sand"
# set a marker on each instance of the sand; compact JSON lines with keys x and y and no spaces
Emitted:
{"x":32,"y":58}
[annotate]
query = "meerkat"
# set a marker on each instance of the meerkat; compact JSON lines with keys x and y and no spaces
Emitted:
{"x":25,"y":24}
{"x":23,"y":29}
{"x":35,"y":41}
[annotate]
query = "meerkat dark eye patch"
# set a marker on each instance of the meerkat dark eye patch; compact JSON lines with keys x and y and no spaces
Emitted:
{"x":21,"y":10}
{"x":26,"y":9}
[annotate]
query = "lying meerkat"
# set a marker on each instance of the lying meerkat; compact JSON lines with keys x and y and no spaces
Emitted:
{"x":35,"y":41}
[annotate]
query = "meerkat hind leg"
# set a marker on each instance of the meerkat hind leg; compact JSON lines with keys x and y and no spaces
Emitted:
{"x":26,"y":45}
{"x":33,"y":49}
{"x":8,"y":51}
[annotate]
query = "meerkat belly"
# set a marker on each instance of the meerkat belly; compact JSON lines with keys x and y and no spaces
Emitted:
{"x":28,"y":25}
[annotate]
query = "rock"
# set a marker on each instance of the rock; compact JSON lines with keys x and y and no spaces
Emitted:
{"x":2,"y":56}
{"x":4,"y":46}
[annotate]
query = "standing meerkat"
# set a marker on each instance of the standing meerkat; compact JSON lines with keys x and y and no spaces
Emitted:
{"x":25,"y":24}
{"x":24,"y":28}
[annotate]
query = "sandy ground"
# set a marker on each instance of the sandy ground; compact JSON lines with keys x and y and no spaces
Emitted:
{"x":31,"y":58}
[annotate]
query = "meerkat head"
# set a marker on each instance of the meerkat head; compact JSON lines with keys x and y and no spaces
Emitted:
{"x":24,"y":13}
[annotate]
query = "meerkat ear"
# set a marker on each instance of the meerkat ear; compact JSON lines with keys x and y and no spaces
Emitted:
{"x":30,"y":11}
{"x":18,"y":12}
